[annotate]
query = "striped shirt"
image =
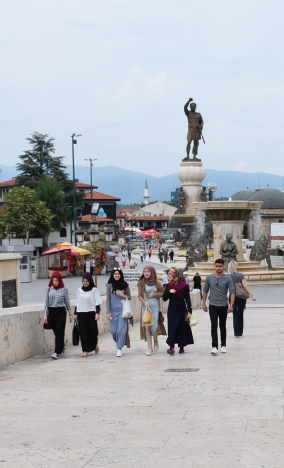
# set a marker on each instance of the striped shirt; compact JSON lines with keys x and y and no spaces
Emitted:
{"x":57,"y":298}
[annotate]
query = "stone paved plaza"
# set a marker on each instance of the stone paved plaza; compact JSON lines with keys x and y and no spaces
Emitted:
{"x":128,"y":412}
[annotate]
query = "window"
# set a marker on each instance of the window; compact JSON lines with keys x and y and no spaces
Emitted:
{"x":63,"y":232}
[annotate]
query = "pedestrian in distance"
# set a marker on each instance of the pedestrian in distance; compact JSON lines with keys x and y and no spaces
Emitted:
{"x":141,"y":256}
{"x":144,"y":253}
{"x":165,"y":279}
{"x":87,"y":312}
{"x":219,"y":284}
{"x":150,"y":291}
{"x":239,"y":304}
{"x":171,"y":255}
{"x":129,"y":255}
{"x":132,"y":264}
{"x":196,"y":283}
{"x":56,"y":303}
{"x":185,"y":274}
{"x":117,"y":289}
{"x":149,"y":253}
{"x":160,"y":255}
{"x":177,"y":292}
{"x":123,"y":258}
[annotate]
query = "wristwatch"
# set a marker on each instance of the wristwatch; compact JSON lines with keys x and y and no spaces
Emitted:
{"x":231,"y":305}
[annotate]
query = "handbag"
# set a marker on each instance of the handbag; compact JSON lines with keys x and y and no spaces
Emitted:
{"x":192,"y":320}
{"x":126,"y":308}
{"x":75,"y":334}
{"x":47,"y":325}
{"x":241,"y":293}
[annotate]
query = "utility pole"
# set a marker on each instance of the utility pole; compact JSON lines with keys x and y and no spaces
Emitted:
{"x":91,"y":170}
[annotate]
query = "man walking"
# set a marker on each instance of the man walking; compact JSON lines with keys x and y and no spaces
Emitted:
{"x":197,"y":283}
{"x":219,"y":285}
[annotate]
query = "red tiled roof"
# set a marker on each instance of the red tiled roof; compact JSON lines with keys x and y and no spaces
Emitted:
{"x":82,"y":185}
{"x":8,"y":183}
{"x":126,"y":210}
{"x":148,"y":218}
{"x":100,"y":196}
{"x":88,"y":217}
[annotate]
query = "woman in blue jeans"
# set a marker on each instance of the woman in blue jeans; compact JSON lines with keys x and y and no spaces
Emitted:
{"x":240,"y":304}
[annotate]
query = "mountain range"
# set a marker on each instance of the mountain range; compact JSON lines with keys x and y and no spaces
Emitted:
{"x":129,"y":185}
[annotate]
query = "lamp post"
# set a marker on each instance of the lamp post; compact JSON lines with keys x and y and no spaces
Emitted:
{"x":91,"y":165}
{"x":74,"y":142}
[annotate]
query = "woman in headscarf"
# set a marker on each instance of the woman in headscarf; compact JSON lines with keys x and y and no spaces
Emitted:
{"x":149,"y":292}
{"x":117,"y":289}
{"x":56,"y":303}
{"x":177,"y":291}
{"x":87,"y":313}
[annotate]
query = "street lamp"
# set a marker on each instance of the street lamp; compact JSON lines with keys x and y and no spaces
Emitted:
{"x":80,"y":235}
{"x":91,"y":165}
{"x":74,"y":142}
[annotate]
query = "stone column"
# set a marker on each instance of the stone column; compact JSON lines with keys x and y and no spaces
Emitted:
{"x":191,"y":174}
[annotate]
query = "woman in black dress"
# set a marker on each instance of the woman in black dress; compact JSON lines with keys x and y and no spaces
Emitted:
{"x":179,"y":331}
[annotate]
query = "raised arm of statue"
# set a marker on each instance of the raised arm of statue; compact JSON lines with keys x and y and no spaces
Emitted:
{"x":186,"y":106}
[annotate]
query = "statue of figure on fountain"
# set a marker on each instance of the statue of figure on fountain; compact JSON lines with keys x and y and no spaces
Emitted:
{"x":195,"y":126}
{"x":228,"y":249}
{"x":181,"y":201}
{"x":259,"y":251}
{"x":197,"y":250}
{"x":203,"y":195}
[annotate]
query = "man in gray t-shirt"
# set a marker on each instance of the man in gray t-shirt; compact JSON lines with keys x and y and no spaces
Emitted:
{"x":219,"y":285}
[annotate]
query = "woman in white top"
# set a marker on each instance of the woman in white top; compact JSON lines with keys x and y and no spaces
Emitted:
{"x":87,"y":312}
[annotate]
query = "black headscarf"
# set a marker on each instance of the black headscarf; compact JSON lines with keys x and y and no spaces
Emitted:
{"x":120,"y":284}
{"x":89,"y":278}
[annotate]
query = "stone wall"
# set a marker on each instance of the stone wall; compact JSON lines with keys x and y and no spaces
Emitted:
{"x":22,"y":334}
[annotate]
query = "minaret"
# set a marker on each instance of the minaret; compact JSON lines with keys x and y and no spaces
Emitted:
{"x":146,"y":194}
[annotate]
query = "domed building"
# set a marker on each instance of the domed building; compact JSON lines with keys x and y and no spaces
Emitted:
{"x":272,"y":210}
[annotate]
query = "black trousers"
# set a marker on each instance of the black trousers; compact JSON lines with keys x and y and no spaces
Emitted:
{"x":220,"y":313}
{"x":57,"y":317}
{"x":88,"y":330}
{"x":238,"y":316}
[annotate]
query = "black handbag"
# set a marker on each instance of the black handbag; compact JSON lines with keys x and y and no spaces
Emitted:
{"x":241,"y":293}
{"x":47,"y":325}
{"x":75,"y":334}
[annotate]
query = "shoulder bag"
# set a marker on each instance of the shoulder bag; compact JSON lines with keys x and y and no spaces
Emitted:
{"x":75,"y":334}
{"x":241,"y":293}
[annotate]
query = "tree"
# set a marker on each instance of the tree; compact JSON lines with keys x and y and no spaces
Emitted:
{"x":24,"y":214}
{"x":50,"y":192}
{"x":39,"y":162}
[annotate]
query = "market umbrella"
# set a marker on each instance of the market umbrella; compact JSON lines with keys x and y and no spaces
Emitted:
{"x":150,"y":232}
{"x":67,"y":247}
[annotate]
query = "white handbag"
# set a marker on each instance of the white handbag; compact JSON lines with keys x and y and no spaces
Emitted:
{"x":126,"y":309}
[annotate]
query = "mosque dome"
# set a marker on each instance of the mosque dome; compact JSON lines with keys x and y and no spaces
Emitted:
{"x":243,"y":195}
{"x":271,"y":198}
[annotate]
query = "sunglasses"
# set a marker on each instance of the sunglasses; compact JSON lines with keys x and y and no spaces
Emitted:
{"x":216,"y":281}
{"x":117,"y":269}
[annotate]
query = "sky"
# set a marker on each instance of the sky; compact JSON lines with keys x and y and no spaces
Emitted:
{"x":120,"y":71}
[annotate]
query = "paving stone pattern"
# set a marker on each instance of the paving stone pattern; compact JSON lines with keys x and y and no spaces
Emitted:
{"x":128,"y":412}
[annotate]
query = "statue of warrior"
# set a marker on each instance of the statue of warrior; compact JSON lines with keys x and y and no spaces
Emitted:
{"x":195,"y":126}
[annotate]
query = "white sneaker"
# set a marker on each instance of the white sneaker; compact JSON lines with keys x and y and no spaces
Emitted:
{"x":119,"y":353}
{"x":55,"y":356}
{"x":214,"y":351}
{"x":149,"y":352}
{"x":223,"y":349}
{"x":156,"y":346}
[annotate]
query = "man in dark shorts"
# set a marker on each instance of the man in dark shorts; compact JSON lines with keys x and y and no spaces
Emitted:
{"x":197,"y":283}
{"x":219,"y":285}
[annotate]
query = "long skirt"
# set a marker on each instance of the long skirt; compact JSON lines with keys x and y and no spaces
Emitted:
{"x":88,"y":330}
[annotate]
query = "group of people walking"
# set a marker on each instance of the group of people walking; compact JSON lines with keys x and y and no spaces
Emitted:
{"x":150,"y":293}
